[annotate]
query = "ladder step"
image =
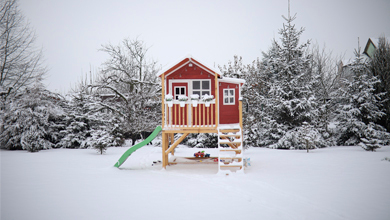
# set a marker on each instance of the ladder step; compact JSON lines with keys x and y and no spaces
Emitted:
{"x":231,"y":166}
{"x":229,"y":135}
{"x":238,"y":151}
{"x":229,"y":130}
{"x":230,"y":142}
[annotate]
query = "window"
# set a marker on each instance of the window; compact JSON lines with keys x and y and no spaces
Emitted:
{"x":228,"y":97}
{"x":179,"y":90}
{"x":201,"y":87}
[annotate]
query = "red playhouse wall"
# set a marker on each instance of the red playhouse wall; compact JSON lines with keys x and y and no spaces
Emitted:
{"x":187,"y":72}
{"x":228,"y":114}
{"x":193,"y":72}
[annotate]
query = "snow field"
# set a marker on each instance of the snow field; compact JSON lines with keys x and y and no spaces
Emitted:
{"x":330,"y":183}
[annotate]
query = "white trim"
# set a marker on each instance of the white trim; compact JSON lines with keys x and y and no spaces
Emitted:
{"x":190,"y":57}
{"x":189,"y":85}
{"x":229,"y":96}
{"x":185,"y":91}
{"x":201,"y":90}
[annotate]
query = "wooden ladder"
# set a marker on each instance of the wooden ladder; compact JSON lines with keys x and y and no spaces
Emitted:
{"x":230,"y":145}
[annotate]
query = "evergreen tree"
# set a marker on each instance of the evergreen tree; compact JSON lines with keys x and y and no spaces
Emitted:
{"x":89,"y":124}
{"x":33,"y":120}
{"x":379,"y":65}
{"x":360,"y":108}
{"x":290,"y":100}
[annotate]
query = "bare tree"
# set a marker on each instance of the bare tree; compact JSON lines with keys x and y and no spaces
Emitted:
{"x":20,"y":62}
{"x":326,"y":70}
{"x":130,"y":86}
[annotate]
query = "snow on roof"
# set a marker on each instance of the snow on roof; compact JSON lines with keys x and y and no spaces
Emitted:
{"x":231,"y":80}
{"x":191,"y":58}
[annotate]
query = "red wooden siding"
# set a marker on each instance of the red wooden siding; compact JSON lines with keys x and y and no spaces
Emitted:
{"x":194,"y":72}
{"x":228,"y":114}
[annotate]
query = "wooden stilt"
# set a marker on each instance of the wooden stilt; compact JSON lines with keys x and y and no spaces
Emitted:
{"x":164,"y":148}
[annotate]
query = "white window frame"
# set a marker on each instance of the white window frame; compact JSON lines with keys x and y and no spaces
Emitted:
{"x":229,"y":96}
{"x":201,"y":90}
{"x":180,"y":87}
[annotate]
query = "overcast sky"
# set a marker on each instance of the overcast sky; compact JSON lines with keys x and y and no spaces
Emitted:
{"x":72,"y":31}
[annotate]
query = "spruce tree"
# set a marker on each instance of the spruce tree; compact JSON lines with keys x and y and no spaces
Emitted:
{"x":290,"y":99}
{"x":379,"y":65}
{"x":359,"y":108}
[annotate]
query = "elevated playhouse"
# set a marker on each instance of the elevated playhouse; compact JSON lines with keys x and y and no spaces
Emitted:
{"x":218,"y":109}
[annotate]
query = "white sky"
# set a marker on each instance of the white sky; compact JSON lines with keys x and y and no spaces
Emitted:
{"x":71,"y":31}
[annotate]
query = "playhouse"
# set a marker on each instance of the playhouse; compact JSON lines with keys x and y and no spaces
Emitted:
{"x":196,"y":99}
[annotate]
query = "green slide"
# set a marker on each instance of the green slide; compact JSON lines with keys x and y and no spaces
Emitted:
{"x":138,"y":146}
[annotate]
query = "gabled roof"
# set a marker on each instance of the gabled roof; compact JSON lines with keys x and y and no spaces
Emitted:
{"x":185,"y":61}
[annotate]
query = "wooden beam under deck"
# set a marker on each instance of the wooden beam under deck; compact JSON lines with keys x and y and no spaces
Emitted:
{"x":174,"y":145}
{"x":190,"y":130}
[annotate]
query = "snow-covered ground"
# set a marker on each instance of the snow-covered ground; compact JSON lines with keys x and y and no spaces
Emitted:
{"x":330,"y":183}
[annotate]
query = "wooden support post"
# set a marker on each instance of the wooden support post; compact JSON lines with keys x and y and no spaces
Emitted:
{"x":216,"y":95}
{"x":164,"y":148}
{"x":163,"y":98}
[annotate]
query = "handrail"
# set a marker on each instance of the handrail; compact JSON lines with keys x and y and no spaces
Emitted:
{"x":179,"y":114}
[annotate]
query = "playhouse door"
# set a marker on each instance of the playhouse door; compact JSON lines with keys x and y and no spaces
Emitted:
{"x":228,"y":103}
{"x":179,"y":113}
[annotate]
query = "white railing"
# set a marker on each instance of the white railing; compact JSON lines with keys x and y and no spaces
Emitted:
{"x":186,"y":115}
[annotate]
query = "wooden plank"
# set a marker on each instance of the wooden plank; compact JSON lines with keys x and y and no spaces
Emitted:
{"x":179,"y":114}
{"x":170,"y":116}
{"x":204,"y":114}
{"x":229,"y":130}
{"x":230,"y":135}
{"x":190,"y":115}
{"x":196,"y":111}
{"x":184,"y":113}
{"x":240,"y":112}
{"x":239,"y":159}
{"x":164,"y":147}
{"x":231,"y":166}
{"x":200,"y":118}
{"x":212,"y":115}
{"x":174,"y":145}
{"x":208,"y":115}
{"x":174,"y":114}
{"x":191,"y":130}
